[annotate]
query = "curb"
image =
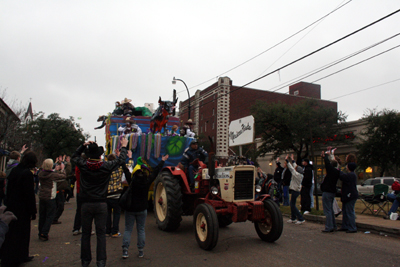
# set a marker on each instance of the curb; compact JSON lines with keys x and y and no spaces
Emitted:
{"x":362,"y":227}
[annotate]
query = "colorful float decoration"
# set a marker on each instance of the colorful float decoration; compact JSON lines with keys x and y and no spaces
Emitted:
{"x":149,"y":135}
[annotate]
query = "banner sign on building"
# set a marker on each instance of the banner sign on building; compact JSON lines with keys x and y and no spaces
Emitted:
{"x":241,"y":131}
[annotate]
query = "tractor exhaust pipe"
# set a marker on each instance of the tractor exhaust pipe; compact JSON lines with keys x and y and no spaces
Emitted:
{"x":211,"y":163}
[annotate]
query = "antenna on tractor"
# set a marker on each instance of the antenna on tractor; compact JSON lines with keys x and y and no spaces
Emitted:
{"x":211,"y":162}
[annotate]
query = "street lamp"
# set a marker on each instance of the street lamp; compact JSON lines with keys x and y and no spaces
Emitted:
{"x":174,"y":82}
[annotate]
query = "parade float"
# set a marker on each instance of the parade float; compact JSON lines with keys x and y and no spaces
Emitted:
{"x":149,"y":135}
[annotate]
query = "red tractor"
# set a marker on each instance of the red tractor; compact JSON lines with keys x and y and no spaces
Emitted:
{"x":221,"y":196}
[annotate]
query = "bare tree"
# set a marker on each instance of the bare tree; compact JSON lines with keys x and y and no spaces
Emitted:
{"x":11,"y":122}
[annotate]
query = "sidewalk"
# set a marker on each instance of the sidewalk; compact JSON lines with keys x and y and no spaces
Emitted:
{"x":365,"y":223}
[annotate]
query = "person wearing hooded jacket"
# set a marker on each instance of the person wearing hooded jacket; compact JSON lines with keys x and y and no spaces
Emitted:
{"x":94,"y":179}
{"x":294,"y":188}
{"x":141,"y":180}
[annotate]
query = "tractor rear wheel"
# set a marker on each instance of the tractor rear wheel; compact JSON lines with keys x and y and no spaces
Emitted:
{"x":270,"y":229}
{"x":206,"y":226}
{"x":167,"y":202}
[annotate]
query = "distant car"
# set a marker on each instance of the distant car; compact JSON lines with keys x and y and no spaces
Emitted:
{"x":367,"y":187}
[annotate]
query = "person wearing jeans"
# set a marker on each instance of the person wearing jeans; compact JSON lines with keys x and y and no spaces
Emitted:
{"x":130,"y":218}
{"x":327,"y":203}
{"x":328,"y":188}
{"x":94,"y":179}
{"x":395,"y":205}
{"x":349,"y":196}
{"x":139,"y":183}
{"x":349,"y":216}
{"x":294,"y":187}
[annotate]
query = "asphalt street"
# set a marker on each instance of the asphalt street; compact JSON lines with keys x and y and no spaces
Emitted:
{"x":238,"y":245}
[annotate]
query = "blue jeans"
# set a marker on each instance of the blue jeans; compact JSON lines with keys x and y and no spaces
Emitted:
{"x":327,"y":202}
{"x":395,"y":205}
{"x":295,"y":212}
{"x":98,"y":212}
{"x":191,"y":170}
{"x":349,"y":215}
{"x":130,"y":218}
{"x":286,"y":195}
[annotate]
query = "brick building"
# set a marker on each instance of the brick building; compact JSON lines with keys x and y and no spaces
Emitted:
{"x":213,"y":108}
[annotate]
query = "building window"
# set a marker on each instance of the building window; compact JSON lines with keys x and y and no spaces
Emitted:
{"x":201,"y":129}
{"x":213,"y":125}
{"x":213,"y":112}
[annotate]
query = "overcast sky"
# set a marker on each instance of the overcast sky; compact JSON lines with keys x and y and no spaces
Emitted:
{"x":77,"y":58}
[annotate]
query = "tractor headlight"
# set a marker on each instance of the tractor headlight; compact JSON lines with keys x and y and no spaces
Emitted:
{"x":258,"y":188}
{"x":214,"y":190}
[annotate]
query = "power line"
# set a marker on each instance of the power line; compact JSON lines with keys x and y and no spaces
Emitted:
{"x":355,"y":64}
{"x":307,"y":55}
{"x":362,"y":61}
{"x":299,"y":78}
{"x":295,"y":43}
{"x":372,"y":87}
{"x":284,"y":40}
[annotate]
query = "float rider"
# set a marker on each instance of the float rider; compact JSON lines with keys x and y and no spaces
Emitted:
{"x":190,"y":154}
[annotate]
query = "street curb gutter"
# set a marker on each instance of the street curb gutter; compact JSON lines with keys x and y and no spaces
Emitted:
{"x":381,"y":230}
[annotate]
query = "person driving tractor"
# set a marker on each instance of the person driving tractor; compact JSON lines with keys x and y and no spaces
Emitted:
{"x":190,"y":154}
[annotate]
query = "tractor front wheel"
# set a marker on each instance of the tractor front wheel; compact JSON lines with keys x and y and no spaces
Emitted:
{"x":206,"y":226}
{"x":270,"y":229}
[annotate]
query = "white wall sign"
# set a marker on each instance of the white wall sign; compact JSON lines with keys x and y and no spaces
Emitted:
{"x":241,"y":131}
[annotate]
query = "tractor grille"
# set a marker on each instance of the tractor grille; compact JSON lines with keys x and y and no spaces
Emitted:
{"x":244,"y":185}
